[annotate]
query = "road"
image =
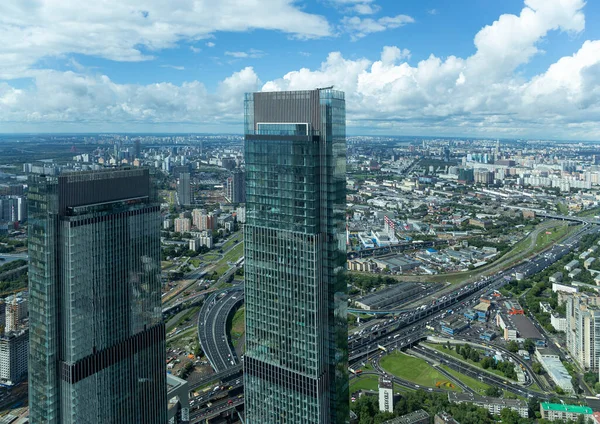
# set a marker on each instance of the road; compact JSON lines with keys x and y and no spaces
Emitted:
{"x":367,"y":339}
{"x":212,"y":328}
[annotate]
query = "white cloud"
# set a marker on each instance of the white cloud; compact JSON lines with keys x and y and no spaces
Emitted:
{"x":210,"y":44}
{"x":176,"y":67}
{"x":361,"y":27}
{"x":69,"y":97}
{"x":252,"y":53}
{"x":195,"y":49}
{"x":481,"y":95}
{"x":432,"y":11}
{"x":134,"y":30}
{"x":366,"y":9}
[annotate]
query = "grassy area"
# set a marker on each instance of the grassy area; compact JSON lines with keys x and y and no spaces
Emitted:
{"x":545,"y":239}
{"x":165,"y":265}
{"x":364,"y":382}
{"x":415,"y":370}
{"x":589,"y":212}
{"x":562,"y":208}
{"x":470,"y":382}
{"x":185,"y":317}
{"x":237,"y":322}
{"x":232,"y":241}
{"x":459,"y":357}
{"x":195,"y":262}
{"x":235,"y":253}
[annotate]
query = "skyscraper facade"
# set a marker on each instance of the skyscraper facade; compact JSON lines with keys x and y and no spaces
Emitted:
{"x":184,"y":191}
{"x":296,"y":330}
{"x":97,"y":339}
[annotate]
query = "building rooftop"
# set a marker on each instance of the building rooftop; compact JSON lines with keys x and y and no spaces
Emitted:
{"x":469,"y":397}
{"x":411,"y":418}
{"x":525,"y":327}
{"x":385,"y":382}
{"x":482,"y":307}
{"x":575,"y":409}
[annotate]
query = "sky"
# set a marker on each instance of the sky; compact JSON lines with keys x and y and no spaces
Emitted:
{"x":465,"y":68}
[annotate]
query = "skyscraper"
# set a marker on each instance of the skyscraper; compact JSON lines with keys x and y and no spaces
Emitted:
{"x":97,"y":339}
{"x":184,"y":191}
{"x":236,"y":187}
{"x":295,"y":248}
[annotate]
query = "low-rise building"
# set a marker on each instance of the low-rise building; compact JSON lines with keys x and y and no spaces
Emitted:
{"x":559,"y":323}
{"x":494,"y":405}
{"x":555,"y":369}
{"x":564,"y":412}
{"x":418,"y":417}
{"x":572,"y":265}
{"x":453,"y":326}
{"x":557,"y":277}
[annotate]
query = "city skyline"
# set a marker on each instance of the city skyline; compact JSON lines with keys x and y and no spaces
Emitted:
{"x":516,"y":69}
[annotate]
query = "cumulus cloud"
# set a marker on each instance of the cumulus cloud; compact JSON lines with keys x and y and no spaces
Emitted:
{"x":359,"y":27}
{"x":252,"y":53}
{"x":484,"y":94}
{"x":72,"y":97}
{"x":210,"y":44}
{"x":134,"y":30}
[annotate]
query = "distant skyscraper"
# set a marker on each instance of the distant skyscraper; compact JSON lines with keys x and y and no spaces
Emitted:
{"x":184,"y":191}
{"x":97,"y":339}
{"x":236,"y":187}
{"x":137,"y":149}
{"x":295,"y":248}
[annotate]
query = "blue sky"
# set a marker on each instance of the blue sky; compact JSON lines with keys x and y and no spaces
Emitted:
{"x":511,"y":68}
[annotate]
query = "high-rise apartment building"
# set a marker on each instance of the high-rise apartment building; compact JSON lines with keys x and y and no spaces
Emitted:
{"x":13,"y":356}
{"x":295,"y":248}
{"x":182,"y":225}
{"x":184,"y":191}
{"x":97,"y":339}
{"x":583,"y":329}
{"x":236,"y":187}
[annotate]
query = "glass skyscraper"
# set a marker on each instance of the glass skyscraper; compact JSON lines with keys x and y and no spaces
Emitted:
{"x":295,"y":254}
{"x":97,"y":339}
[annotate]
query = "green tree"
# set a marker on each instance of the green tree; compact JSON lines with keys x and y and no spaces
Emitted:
{"x":529,"y":346}
{"x":512,"y":346}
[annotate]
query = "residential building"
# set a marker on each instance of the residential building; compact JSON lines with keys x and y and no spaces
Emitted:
{"x":240,"y":214}
{"x":386,"y":394}
{"x":15,"y":311}
{"x":13,"y":356}
{"x":184,"y":189}
{"x":417,"y":417}
{"x":183,"y":225}
{"x":564,"y":412}
{"x":494,"y":405}
{"x":583,"y":329}
{"x":444,"y":418}
{"x":295,"y":365}
{"x":97,"y":338}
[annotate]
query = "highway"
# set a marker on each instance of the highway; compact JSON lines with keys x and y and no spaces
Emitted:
{"x":366,"y":341}
{"x":212,"y":328}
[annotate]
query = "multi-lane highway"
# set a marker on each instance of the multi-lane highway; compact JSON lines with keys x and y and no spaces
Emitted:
{"x":386,"y":333}
{"x":212,"y":328}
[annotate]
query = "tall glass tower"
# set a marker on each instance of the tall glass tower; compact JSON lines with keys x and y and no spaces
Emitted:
{"x":295,"y":255}
{"x":97,"y":340}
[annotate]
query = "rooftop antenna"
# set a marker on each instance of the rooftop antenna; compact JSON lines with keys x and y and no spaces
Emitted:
{"x":326,"y":88}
